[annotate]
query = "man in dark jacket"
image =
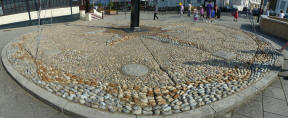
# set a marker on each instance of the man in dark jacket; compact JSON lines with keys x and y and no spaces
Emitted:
{"x":155,"y":12}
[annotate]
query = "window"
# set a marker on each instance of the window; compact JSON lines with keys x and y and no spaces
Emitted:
{"x":8,"y":7}
{"x":282,"y":4}
{"x":1,"y":12}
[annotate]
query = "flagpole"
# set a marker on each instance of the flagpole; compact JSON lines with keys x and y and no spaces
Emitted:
{"x":39,"y":29}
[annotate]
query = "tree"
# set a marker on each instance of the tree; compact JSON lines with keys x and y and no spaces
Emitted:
{"x":111,"y":5}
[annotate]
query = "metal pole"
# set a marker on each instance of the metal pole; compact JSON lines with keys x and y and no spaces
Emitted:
{"x":262,"y":1}
{"x":39,"y":29}
{"x":3,"y":9}
{"x":51,"y":5}
{"x":71,"y":6}
{"x":39,"y":16}
{"x":135,"y":15}
{"x":36,"y":5}
{"x":28,"y":10}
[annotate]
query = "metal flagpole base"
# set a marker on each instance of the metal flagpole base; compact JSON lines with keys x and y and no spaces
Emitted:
{"x":135,"y":29}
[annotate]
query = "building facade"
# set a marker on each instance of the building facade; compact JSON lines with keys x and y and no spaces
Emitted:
{"x":8,"y":7}
{"x":282,"y":5}
{"x":240,"y":4}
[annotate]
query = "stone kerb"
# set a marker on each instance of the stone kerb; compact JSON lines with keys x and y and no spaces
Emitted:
{"x":274,"y":27}
{"x":216,"y":109}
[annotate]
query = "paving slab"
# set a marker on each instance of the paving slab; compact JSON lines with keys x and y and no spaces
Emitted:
{"x":258,"y":97}
{"x":225,"y":55}
{"x":202,"y":112}
{"x":274,"y":92}
{"x":236,"y":115}
{"x":284,"y":71}
{"x":276,"y":83}
{"x":252,"y":109}
{"x":271,"y":115}
{"x":265,"y":82}
{"x":284,"y":82}
{"x":135,"y":69}
{"x":275,"y":106}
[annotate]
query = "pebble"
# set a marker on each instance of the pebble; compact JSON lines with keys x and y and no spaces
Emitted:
{"x":137,"y":111}
{"x":82,"y":101}
{"x":176,"y":111}
{"x":176,"y":107}
{"x":186,"y":108}
{"x":147,"y":108}
{"x":126,"y":111}
{"x":168,"y":108}
{"x":147,"y":112}
{"x":166,"y":112}
{"x":157,"y":112}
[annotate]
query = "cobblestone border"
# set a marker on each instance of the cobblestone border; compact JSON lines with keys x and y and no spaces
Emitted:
{"x":215,"y":109}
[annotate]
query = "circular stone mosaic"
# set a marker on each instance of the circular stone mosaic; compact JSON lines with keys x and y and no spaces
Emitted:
{"x":190,"y":65}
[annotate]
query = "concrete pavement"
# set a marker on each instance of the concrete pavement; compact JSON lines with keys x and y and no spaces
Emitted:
{"x":15,"y":102}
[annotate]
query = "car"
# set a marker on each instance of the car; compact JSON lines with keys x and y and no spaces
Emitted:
{"x":255,"y":11}
{"x":246,"y":10}
{"x":226,"y":9}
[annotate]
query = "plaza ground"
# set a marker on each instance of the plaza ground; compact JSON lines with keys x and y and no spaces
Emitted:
{"x":18,"y":103}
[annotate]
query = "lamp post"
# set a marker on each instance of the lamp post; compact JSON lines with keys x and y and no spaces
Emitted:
{"x":260,"y":10}
{"x":135,"y":15}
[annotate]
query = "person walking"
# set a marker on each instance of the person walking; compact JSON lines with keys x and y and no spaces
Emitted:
{"x":189,"y":9}
{"x":156,"y":12}
{"x":181,"y":8}
{"x":201,"y":12}
{"x":236,"y":15}
{"x":196,"y":15}
{"x":208,"y":11}
{"x":281,"y":15}
{"x":213,"y":15}
{"x":218,"y":11}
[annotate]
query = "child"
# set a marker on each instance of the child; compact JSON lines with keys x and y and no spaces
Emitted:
{"x":281,"y":14}
{"x":196,"y":15}
{"x":236,"y":14}
{"x":201,"y":12}
{"x":189,"y":10}
{"x":213,"y":15}
{"x":181,"y":9}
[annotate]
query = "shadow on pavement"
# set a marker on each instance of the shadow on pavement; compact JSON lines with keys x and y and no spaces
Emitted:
{"x":231,"y":64}
{"x":267,"y":51}
{"x":277,"y":40}
{"x":59,"y":19}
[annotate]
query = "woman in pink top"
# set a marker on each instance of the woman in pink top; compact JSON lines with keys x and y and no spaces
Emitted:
{"x":201,"y":12}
